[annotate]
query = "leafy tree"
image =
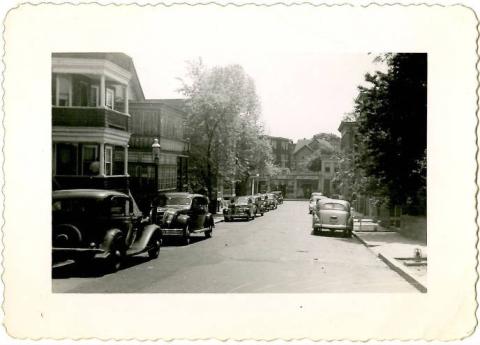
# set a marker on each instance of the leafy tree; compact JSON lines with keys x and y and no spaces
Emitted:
{"x":392,"y":118}
{"x":223,"y":125}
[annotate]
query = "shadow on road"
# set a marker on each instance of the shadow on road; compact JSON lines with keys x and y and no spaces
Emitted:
{"x":94,"y":268}
{"x":177,"y":242}
{"x":335,"y":234}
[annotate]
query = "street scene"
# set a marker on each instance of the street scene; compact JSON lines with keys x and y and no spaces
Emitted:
{"x":221,"y":188}
{"x":296,"y":261}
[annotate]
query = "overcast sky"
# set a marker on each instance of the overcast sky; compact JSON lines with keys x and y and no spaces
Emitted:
{"x":300,"y":94}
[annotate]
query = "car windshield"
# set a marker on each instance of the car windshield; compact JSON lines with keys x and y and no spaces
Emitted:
{"x":333,"y":206}
{"x":174,"y":201}
{"x":75,"y":207}
{"x":242,"y":200}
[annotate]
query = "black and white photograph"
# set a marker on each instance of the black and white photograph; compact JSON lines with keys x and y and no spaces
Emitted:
{"x":312,"y":181}
{"x":240,"y":172}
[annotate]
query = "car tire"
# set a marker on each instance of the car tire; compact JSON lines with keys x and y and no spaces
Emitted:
{"x":208,"y":233}
{"x":261,"y":214}
{"x":186,"y":236}
{"x":155,"y":244}
{"x":115,"y":258}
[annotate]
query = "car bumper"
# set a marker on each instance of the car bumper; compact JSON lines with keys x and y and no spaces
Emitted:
{"x":172,"y":232}
{"x":237,"y":215}
{"x":319,"y":225}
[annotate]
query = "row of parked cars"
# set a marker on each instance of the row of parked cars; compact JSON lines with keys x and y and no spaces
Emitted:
{"x":248,"y":207}
{"x":90,"y":224}
{"x":330,"y":214}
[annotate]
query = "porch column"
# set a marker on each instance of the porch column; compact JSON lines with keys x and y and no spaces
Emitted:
{"x":70,"y":92}
{"x":102,"y":91}
{"x":295,"y":187}
{"x":125,"y":94}
{"x":125,"y":161}
{"x":102,"y":160}
{"x":57,"y":90}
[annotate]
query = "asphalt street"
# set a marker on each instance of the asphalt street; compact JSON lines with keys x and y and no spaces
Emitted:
{"x":275,"y":253}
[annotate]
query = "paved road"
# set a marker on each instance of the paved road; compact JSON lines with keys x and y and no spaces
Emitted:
{"x":274,"y":253}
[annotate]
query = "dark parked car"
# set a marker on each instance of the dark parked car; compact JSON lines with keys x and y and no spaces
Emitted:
{"x":279,"y":196}
{"x":100,"y":224}
{"x":333,"y":215}
{"x":260,"y":203}
{"x":271,"y":201}
{"x":240,"y":207}
{"x":181,"y":214}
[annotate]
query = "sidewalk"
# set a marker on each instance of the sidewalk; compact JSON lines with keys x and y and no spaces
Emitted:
{"x":217,"y":218}
{"x":399,"y":253}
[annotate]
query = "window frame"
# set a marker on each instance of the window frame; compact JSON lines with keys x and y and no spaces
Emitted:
{"x":110,"y":91}
{"x":108,"y":172}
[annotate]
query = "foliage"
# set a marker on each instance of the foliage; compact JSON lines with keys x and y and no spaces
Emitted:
{"x":392,"y":126}
{"x":223,"y":126}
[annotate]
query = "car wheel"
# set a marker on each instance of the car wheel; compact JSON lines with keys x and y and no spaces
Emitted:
{"x":115,"y":257}
{"x":186,"y":236}
{"x":208,"y":233}
{"x":261,"y":214}
{"x":226,"y":219}
{"x":155,"y":244}
{"x":347,"y":233}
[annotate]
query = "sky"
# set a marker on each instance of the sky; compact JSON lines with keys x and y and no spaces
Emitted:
{"x":306,"y":64}
{"x":300,"y":95}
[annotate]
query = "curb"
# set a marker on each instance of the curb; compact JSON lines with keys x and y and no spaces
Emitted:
{"x":218,"y":220}
{"x":390,"y":262}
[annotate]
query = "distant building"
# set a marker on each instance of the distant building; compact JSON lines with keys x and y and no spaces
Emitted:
{"x":296,"y":180}
{"x":91,"y":121}
{"x":163,"y":120}
{"x":348,"y":130}
{"x":282,"y":151}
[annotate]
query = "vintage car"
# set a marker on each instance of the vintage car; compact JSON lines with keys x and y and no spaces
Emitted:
{"x":271,"y":201}
{"x":313,"y":201}
{"x":279,"y":195}
{"x":240,"y":207}
{"x":100,"y":224}
{"x":332,"y":215}
{"x":260,"y":203}
{"x":182,"y":214}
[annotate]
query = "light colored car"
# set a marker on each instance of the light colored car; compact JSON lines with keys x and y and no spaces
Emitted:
{"x":333,"y":215}
{"x":313,"y":201}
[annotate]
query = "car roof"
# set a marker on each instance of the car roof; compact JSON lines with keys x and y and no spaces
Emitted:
{"x":333,"y":201}
{"x":86,"y":193}
{"x":183,"y":194}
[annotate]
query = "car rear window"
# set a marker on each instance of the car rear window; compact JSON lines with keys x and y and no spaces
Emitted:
{"x":75,"y":207}
{"x":333,"y":206}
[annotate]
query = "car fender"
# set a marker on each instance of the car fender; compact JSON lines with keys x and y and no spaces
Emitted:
{"x":209,"y":220}
{"x":148,"y":232}
{"x":183,"y":219}
{"x":110,"y":237}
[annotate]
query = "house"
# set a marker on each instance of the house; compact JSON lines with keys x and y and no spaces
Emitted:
{"x":299,"y":179}
{"x":91,"y":120}
{"x":163,"y":120}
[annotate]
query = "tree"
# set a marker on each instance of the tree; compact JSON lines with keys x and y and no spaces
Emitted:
{"x":222,"y":124}
{"x":392,"y":118}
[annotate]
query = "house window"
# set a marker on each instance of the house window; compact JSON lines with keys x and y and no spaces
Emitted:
{"x":327,"y":168}
{"x":108,"y":160}
{"x":90,"y":163}
{"x":94,"y":96}
{"x":110,"y":98}
{"x":67,"y":158}
{"x":64,"y":88}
